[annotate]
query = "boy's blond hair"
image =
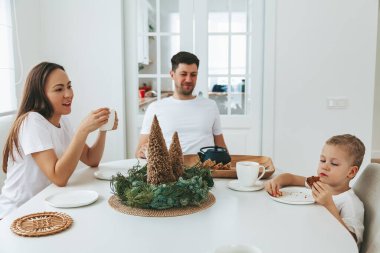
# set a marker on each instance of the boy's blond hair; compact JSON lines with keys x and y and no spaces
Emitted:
{"x":352,"y":145}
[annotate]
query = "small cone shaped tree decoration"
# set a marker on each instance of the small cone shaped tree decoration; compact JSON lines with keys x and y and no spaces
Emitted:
{"x":159,"y":170}
{"x":176,"y":157}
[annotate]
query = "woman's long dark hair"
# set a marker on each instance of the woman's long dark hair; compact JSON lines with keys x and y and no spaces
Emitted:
{"x":33,"y":99}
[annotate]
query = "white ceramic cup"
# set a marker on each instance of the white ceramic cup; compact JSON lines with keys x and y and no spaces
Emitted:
{"x":248,"y":172}
{"x":111,"y":121}
{"x":237,"y":249}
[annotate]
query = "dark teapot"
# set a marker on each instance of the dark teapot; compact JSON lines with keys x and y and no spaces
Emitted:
{"x":215,"y":154}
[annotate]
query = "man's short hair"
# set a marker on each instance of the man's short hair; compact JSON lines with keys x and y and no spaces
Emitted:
{"x":351,"y":144}
{"x":184,"y":57}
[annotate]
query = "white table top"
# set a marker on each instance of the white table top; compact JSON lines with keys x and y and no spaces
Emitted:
{"x":236,"y":218}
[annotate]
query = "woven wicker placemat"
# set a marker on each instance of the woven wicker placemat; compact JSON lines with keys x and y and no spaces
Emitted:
{"x":171,"y":212}
{"x":41,"y":224}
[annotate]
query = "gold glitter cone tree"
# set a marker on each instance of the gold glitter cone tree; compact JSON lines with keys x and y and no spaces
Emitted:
{"x":159,"y":170}
{"x":176,"y":157}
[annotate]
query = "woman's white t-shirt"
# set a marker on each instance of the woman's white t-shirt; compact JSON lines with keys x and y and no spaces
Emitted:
{"x":24,"y":178}
{"x":196,"y":121}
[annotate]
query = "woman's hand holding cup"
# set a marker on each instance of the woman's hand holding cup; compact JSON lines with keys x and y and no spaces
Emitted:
{"x":111,"y":123}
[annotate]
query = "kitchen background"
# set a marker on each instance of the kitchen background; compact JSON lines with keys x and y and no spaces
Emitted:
{"x":311,"y":51}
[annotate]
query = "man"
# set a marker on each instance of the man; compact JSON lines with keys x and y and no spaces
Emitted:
{"x":196,"y":119}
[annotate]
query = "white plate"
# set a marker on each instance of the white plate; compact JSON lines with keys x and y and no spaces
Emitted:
{"x":106,"y":172}
{"x":72,"y":198}
{"x":295,"y":195}
{"x":129,"y":163}
{"x":234,"y":185}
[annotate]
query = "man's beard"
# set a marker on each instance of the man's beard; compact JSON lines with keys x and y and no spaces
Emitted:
{"x":184,"y":91}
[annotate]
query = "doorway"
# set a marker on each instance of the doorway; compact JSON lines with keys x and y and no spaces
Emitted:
{"x":227,"y":37}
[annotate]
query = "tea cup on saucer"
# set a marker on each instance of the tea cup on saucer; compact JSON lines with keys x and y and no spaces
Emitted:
{"x":248,"y":173}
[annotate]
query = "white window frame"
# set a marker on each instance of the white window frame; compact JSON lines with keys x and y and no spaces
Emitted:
{"x":157,"y":35}
{"x":7,"y":57}
{"x":255,"y":23}
{"x":255,"y":60}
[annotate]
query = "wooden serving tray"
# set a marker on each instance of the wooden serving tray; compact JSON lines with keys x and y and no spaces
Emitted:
{"x":190,"y":160}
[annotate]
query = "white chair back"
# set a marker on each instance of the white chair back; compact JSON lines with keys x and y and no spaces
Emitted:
{"x":367,"y":187}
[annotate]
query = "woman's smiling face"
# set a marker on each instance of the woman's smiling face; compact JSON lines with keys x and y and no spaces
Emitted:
{"x":59,"y":92}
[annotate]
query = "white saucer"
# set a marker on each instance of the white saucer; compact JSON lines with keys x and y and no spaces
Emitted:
{"x":234,"y":185}
{"x":75,"y":198}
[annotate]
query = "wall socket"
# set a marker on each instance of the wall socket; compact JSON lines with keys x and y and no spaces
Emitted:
{"x":337,"y":103}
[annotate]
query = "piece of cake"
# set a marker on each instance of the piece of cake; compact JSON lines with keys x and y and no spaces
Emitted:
{"x":311,"y":180}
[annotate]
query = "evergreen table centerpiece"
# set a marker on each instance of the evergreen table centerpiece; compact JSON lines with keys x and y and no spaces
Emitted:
{"x":163,"y":182}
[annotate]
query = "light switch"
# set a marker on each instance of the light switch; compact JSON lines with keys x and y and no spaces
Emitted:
{"x":337,"y":103}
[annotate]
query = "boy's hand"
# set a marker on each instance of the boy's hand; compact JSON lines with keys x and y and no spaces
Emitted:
{"x":273,"y":186}
{"x":322,"y":194}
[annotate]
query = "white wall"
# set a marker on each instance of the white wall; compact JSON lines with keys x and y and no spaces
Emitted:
{"x":323,"y":49}
{"x":376,"y":112}
{"x":28,"y":25}
{"x":86,"y":38}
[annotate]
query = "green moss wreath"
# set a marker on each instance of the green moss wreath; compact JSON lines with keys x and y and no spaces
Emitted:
{"x":190,"y":189}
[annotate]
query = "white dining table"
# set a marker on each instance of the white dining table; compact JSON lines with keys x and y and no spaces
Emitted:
{"x":248,"y":218}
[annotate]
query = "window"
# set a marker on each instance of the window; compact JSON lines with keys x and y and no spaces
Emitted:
{"x":159,"y":40}
{"x":7,"y":72}
{"x":227,"y":40}
{"x":230,"y":34}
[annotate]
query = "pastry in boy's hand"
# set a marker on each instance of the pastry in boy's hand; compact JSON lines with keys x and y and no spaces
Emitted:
{"x":311,"y":180}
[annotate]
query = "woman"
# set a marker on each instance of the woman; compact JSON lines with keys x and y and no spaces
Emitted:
{"x":41,"y":147}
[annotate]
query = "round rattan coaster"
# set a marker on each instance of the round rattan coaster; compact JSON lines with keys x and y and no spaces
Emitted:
{"x":171,"y":212}
{"x":41,"y":224}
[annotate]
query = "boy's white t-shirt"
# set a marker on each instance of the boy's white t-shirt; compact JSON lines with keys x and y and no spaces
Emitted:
{"x":24,"y":178}
{"x":196,"y":121}
{"x":351,"y":210}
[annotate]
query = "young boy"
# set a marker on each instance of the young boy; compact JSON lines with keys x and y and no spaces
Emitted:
{"x":340,"y":160}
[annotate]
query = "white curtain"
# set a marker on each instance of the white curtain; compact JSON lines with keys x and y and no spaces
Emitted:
{"x":7,"y":69}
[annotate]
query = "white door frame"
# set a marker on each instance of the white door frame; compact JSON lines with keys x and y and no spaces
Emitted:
{"x":269,"y":80}
{"x":130,"y":76}
{"x":265,"y":115}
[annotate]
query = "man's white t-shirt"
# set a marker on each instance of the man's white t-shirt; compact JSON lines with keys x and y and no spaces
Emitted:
{"x":24,"y":178}
{"x":196,"y":121}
